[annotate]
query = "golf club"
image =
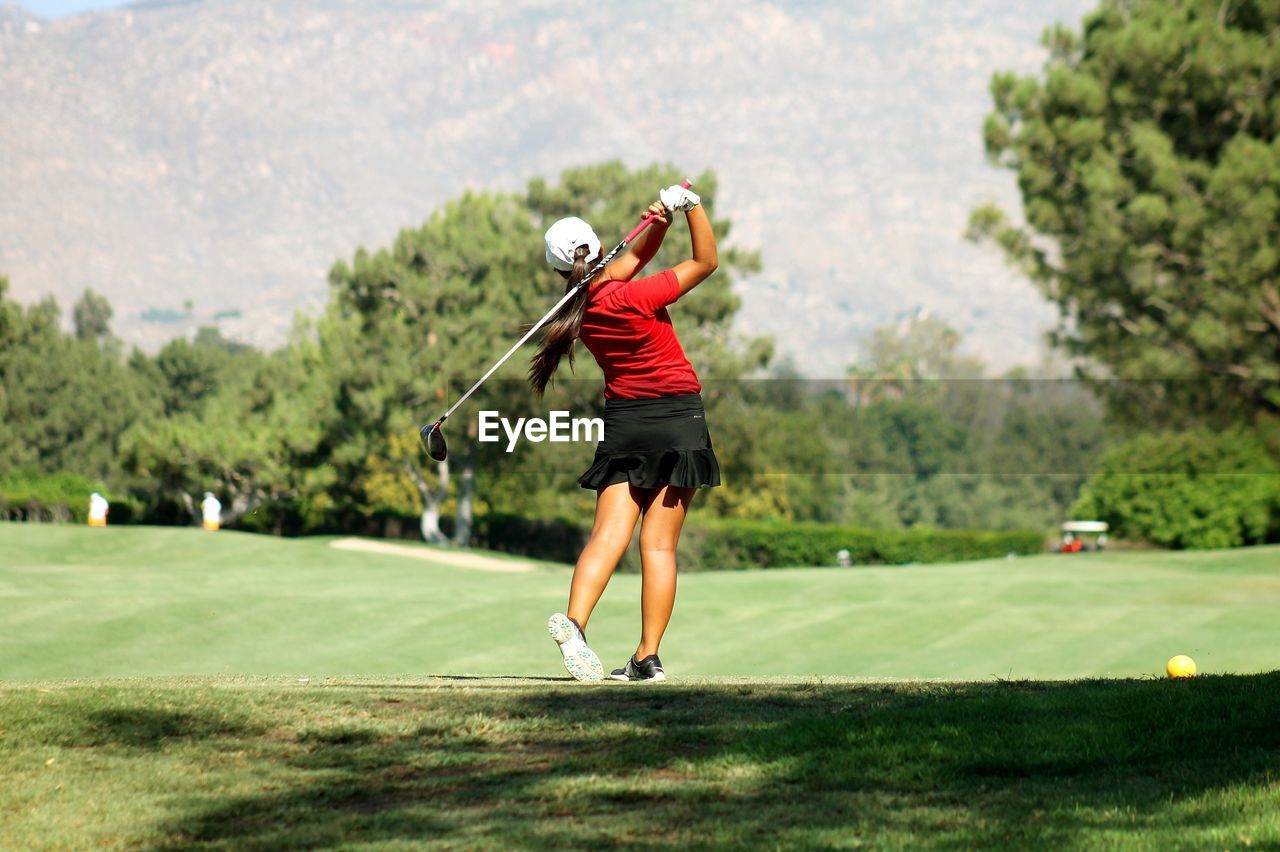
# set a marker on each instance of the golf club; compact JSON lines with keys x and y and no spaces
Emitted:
{"x":432,"y":435}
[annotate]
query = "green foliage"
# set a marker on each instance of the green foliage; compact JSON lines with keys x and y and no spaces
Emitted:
{"x":59,"y":497}
{"x":55,"y":497}
{"x":92,"y":315}
{"x":735,"y":544}
{"x":250,"y":434}
{"x":410,"y":327}
{"x":916,"y":437}
{"x":927,"y":440}
{"x":1148,"y":157}
{"x":406,"y":327}
{"x":715,"y":544}
{"x":963,"y":453}
{"x":554,"y":539}
{"x":191,"y":371}
{"x":65,"y":403}
{"x":923,"y":349}
{"x":1197,"y":489}
{"x":322,"y":435}
{"x":775,"y":459}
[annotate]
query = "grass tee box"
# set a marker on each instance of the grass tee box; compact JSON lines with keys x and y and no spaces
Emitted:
{"x":525,"y":763}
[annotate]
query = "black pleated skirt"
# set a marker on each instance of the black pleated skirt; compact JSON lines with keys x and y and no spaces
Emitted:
{"x":654,"y":442}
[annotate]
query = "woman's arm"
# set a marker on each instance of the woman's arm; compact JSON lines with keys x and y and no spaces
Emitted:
{"x":690,"y":273}
{"x":643,"y":249}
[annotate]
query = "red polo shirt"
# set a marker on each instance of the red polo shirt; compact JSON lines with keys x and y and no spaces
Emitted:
{"x":628,"y":330}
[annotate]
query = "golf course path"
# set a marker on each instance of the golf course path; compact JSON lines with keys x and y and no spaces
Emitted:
{"x":448,"y":557}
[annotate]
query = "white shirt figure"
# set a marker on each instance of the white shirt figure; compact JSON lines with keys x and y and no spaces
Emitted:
{"x":211,"y":508}
{"x":98,"y":506}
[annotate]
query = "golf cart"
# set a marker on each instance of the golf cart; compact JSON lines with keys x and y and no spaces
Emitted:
{"x":1083,"y":535}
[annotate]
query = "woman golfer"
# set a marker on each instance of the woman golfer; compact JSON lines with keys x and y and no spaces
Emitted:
{"x":656,"y":449}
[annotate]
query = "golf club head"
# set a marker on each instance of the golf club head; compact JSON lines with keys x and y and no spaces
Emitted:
{"x":433,"y":440}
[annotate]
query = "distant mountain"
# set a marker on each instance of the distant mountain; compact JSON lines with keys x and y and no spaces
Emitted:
{"x":226,"y":152}
{"x":15,"y":18}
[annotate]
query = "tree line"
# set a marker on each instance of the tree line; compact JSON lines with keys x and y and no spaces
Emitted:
{"x":320,"y":433}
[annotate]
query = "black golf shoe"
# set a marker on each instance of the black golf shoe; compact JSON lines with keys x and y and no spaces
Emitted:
{"x":650,"y":668}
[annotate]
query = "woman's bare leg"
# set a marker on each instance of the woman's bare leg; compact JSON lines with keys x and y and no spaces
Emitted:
{"x":617,"y":509}
{"x":659,"y":534}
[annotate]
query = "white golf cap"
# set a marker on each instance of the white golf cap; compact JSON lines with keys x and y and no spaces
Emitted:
{"x":564,"y":237}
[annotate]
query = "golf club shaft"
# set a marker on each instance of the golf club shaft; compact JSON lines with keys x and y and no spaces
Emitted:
{"x":645,"y":222}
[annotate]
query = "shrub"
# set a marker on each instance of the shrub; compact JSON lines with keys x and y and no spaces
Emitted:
{"x":552,"y":538}
{"x":736,"y":544}
{"x":1197,"y":489}
{"x":733,"y":544}
{"x":56,"y":497}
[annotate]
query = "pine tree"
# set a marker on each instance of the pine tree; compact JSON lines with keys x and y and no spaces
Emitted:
{"x":1148,"y":160}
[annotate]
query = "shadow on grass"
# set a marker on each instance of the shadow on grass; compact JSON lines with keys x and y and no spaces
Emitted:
{"x":148,"y":728}
{"x":739,"y":765}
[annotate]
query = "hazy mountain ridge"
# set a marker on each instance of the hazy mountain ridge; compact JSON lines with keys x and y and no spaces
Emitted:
{"x":228,"y":152}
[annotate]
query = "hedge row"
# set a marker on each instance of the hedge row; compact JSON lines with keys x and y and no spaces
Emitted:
{"x":736,"y":545}
{"x":555,"y":539}
{"x":58,"y":497}
{"x":55,"y":497}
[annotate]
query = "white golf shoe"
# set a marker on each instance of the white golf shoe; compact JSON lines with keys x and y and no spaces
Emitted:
{"x":579,"y":660}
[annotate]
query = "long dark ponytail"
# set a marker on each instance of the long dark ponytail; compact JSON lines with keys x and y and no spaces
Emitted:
{"x":561,"y":333}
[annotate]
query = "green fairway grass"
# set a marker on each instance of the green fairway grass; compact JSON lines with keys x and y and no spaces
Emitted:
{"x":137,"y":601}
{"x":525,"y":763}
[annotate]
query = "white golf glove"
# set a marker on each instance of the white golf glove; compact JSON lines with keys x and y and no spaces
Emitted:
{"x":677,"y":198}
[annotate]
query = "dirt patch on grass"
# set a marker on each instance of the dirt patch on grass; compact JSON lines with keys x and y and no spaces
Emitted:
{"x":454,"y":558}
